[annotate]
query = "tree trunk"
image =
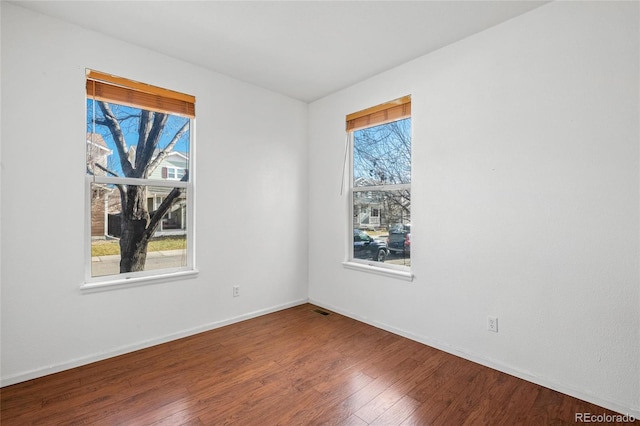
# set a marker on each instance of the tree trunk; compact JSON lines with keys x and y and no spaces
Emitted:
{"x":134,"y":237}
{"x":133,"y":245}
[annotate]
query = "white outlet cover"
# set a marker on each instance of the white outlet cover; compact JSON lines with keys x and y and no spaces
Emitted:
{"x":492,"y":324}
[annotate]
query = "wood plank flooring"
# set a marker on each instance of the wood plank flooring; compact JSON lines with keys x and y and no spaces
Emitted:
{"x":293,"y":367}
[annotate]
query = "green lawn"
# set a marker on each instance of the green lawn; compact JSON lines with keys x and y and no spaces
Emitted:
{"x":106,"y":248}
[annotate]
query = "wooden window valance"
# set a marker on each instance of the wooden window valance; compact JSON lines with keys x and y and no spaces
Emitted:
{"x":384,"y":113}
{"x":110,"y":88}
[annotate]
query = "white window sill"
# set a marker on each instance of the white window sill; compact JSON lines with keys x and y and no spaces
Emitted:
{"x":136,"y":281}
{"x":368,"y":267}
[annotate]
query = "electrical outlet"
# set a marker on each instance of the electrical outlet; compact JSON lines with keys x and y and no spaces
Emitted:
{"x":492,"y":324}
{"x":236,"y":290}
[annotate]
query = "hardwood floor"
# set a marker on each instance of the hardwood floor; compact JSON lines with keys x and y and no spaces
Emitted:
{"x":293,"y":367}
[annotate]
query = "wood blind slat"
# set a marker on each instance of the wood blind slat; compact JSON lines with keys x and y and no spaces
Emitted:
{"x":380,"y":114}
{"x":134,"y":94}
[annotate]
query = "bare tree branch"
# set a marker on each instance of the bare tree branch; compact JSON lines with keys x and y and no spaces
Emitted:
{"x":164,"y":208}
{"x":121,"y":119}
{"x":112,"y":173}
{"x":144,"y":127}
{"x":111,"y":121}
{"x":151,"y":127}
{"x":165,"y":152}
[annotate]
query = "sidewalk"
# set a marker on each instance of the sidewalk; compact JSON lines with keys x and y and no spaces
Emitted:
{"x":110,"y":265}
{"x":151,"y":254}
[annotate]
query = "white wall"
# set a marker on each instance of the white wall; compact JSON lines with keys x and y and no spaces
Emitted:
{"x":251,"y":202}
{"x":525,"y":201}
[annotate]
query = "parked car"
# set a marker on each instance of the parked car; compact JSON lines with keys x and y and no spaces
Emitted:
{"x":366,"y":247}
{"x":399,"y":239}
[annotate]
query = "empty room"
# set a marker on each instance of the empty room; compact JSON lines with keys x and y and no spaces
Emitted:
{"x":320,"y":212}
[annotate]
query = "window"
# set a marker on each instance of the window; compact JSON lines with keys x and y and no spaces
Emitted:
{"x":139,"y":167}
{"x":173,"y":173}
{"x":380,"y":190}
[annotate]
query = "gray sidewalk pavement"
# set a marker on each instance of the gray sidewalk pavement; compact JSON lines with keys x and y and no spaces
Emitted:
{"x":110,"y":265}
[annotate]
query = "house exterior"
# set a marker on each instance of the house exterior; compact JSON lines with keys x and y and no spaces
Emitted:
{"x":97,"y":156}
{"x":172,"y":167}
{"x":367,"y":206}
{"x":378,"y":209}
{"x":375,"y":210}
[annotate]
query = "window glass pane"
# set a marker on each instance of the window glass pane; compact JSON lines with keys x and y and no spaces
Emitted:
{"x":382,"y":154}
{"x":113,"y":140}
{"x":166,"y":248}
{"x":385,"y":217}
{"x":136,"y":228}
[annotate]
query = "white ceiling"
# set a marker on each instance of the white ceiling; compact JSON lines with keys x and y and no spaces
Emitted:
{"x":303,"y":49}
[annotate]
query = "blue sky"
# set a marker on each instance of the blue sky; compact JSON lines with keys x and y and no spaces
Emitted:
{"x":130,"y":130}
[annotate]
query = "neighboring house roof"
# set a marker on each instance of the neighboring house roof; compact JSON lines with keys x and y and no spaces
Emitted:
{"x":178,"y":154}
{"x":132,"y":154}
{"x":364,"y":181}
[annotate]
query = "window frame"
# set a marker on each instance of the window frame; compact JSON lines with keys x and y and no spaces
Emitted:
{"x":385,"y":113}
{"x":128,"y":279}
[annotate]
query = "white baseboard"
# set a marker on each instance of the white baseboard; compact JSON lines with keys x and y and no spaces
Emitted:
{"x":44,"y":371}
{"x":496,"y":365}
